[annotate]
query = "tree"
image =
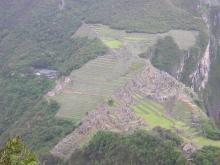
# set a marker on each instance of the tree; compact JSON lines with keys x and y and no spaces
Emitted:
{"x":17,"y":153}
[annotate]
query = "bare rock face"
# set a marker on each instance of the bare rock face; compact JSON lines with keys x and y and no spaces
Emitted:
{"x":188,"y":149}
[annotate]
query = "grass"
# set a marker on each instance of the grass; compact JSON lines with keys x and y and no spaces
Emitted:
{"x":156,"y":114}
{"x":93,"y":84}
{"x":114,"y":44}
{"x":137,"y":42}
{"x":153,"y":115}
{"x":75,"y":106}
{"x":201,"y":141}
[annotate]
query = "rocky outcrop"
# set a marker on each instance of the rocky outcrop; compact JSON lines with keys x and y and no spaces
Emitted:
{"x":200,"y":76}
{"x":155,"y":84}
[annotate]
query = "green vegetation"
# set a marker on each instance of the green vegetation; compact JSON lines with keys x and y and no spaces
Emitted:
{"x":137,"y":42}
{"x":155,"y":114}
{"x":114,"y":44}
{"x":151,"y":16}
{"x":24,"y":113}
{"x":17,"y":153}
{"x":167,"y":56}
{"x":159,"y":146}
{"x":111,"y":102}
{"x":188,"y":5}
{"x":187,"y":119}
{"x":37,"y":34}
{"x":200,"y":141}
{"x":152,"y":116}
{"x":93,"y":84}
{"x":141,"y":147}
{"x":210,"y":130}
{"x":207,"y":156}
{"x":39,"y":37}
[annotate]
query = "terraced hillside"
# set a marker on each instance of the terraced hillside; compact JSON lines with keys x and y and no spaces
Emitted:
{"x":137,"y":42}
{"x":95,"y":83}
{"x":98,"y":80}
{"x":139,"y":105}
{"x":140,"y":94}
{"x":93,"y":46}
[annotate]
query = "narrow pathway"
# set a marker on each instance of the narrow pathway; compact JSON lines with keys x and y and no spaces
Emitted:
{"x":74,"y":91}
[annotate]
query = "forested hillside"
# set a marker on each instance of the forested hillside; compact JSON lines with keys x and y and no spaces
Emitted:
{"x":157,"y":147}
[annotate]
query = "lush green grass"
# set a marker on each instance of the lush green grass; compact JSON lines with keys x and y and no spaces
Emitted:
{"x":202,"y":141}
{"x":153,"y":114}
{"x":179,"y":117}
{"x":151,"y":118}
{"x":114,"y":44}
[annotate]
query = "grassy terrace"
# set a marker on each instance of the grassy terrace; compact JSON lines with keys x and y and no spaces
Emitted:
{"x":93,"y":84}
{"x":155,"y":114}
{"x":112,"y":43}
{"x":116,"y":38}
{"x":97,"y":80}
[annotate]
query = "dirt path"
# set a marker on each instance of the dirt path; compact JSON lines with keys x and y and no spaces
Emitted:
{"x":75,"y":91}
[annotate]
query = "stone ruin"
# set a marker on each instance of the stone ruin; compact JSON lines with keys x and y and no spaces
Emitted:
{"x":154,"y":84}
{"x":151,"y":82}
{"x":120,"y":119}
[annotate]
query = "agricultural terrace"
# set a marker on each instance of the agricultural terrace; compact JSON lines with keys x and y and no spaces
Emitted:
{"x":180,"y":117}
{"x":116,"y":38}
{"x":93,"y":84}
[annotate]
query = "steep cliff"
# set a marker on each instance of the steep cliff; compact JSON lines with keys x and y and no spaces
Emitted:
{"x":212,"y":91}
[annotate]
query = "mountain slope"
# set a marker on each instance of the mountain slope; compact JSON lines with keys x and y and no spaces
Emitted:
{"x":38,"y":36}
